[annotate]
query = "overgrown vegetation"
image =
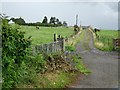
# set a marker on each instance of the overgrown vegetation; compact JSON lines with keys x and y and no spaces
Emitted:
{"x":14,"y":54}
{"x":59,"y":69}
{"x":104,"y":40}
{"x":18,"y":64}
{"x":22,"y":69}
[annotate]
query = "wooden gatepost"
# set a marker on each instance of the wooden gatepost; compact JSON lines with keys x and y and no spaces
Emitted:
{"x":61,"y":41}
{"x":116,"y":43}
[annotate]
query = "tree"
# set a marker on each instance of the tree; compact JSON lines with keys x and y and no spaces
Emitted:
{"x":45,"y":20}
{"x":19,"y":21}
{"x":57,"y":21}
{"x":5,"y":20}
{"x":52,"y":20}
{"x":60,"y":23}
{"x":64,"y":23}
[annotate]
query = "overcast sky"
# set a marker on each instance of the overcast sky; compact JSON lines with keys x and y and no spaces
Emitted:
{"x":103,"y":15}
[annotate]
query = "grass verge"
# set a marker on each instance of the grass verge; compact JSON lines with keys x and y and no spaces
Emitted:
{"x":104,"y":39}
{"x":51,"y":80}
{"x":59,"y":73}
{"x":72,"y":42}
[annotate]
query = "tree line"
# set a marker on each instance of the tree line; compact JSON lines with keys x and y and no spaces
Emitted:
{"x":53,"y":22}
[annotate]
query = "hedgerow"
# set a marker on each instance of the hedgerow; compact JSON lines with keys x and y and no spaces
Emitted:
{"x":18,"y":63}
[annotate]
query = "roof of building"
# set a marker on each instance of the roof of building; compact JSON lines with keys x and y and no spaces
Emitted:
{"x":85,"y":27}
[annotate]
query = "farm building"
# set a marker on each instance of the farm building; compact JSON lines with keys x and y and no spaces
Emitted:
{"x":85,"y":27}
{"x":11,"y":22}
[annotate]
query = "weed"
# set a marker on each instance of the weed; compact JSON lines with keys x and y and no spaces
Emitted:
{"x":70,"y":48}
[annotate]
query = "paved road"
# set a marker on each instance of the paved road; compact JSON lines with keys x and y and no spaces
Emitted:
{"x":103,"y":65}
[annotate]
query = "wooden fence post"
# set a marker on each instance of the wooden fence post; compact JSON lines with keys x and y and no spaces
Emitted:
{"x":116,"y":43}
{"x":47,"y":48}
{"x":59,"y":36}
{"x":63,"y":44}
{"x":34,"y":51}
{"x":55,"y":37}
{"x":57,"y":46}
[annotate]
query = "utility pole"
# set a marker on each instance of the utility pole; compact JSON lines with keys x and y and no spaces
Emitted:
{"x":76,"y":19}
{"x":80,"y":23}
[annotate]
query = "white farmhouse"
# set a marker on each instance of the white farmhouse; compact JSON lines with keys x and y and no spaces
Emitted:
{"x":11,"y":22}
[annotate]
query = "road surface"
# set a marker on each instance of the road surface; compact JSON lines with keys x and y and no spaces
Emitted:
{"x":103,"y":65}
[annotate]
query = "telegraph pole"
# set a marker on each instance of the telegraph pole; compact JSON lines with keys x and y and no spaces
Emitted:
{"x":76,"y":19}
{"x":80,"y":23}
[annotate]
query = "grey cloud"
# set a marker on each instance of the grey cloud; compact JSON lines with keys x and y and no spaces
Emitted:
{"x":89,"y":12}
{"x":113,"y":6}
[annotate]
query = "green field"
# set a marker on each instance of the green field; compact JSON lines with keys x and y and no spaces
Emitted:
{"x":45,"y":34}
{"x":110,"y":33}
{"x":105,"y":40}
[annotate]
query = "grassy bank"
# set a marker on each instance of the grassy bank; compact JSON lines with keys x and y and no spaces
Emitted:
{"x":104,"y":41}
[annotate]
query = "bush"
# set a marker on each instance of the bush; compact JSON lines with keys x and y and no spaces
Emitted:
{"x":37,"y":63}
{"x":14,"y":54}
{"x":19,"y":66}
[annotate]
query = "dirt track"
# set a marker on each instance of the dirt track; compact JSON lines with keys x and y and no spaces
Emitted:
{"x":103,"y":65}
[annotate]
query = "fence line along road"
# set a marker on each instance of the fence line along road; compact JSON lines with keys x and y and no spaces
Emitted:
{"x":57,"y":46}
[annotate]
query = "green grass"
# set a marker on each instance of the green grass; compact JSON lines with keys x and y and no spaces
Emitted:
{"x":111,"y":33}
{"x":80,"y":65}
{"x":105,"y":41}
{"x":70,"y":48}
{"x":45,"y":34}
{"x":72,"y":42}
{"x":51,"y":80}
{"x":57,"y":78}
